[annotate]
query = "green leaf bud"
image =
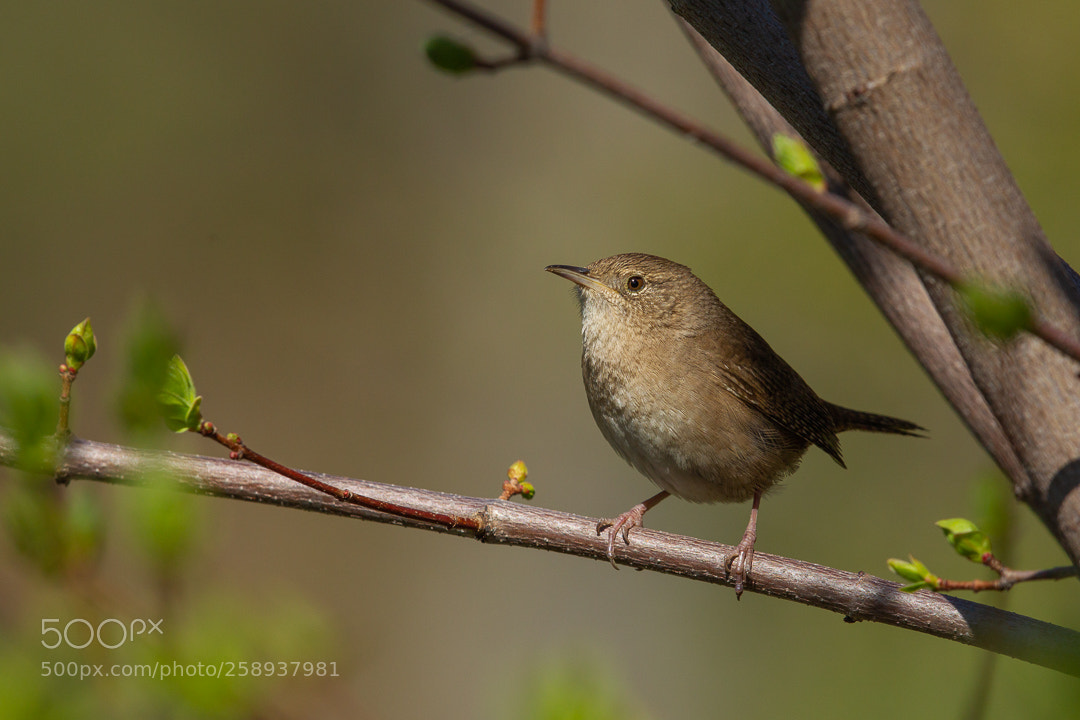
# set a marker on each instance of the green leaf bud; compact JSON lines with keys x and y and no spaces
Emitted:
{"x":913,"y":570}
{"x":79,"y":345}
{"x":518,"y":471}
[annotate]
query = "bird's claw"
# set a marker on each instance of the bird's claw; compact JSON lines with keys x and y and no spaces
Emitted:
{"x":740,"y":562}
{"x":623,"y":524}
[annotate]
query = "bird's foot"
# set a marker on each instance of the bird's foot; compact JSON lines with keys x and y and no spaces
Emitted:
{"x":739,"y":562}
{"x":632,"y":518}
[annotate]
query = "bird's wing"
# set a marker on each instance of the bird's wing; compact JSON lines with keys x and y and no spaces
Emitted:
{"x":777,"y":392}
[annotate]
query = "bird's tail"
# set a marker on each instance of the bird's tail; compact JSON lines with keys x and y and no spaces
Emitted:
{"x":846,"y":419}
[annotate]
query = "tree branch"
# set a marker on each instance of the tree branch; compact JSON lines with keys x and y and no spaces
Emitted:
{"x":855,"y":596}
{"x":890,"y":281}
{"x":877,"y":71}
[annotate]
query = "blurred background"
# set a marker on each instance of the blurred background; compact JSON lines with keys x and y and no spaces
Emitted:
{"x":349,"y":248}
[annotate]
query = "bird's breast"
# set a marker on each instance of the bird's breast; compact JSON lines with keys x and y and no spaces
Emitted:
{"x":681,"y":430}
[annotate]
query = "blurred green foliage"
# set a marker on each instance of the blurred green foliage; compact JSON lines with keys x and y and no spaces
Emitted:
{"x":29,"y":407}
{"x":795,"y":157}
{"x":450,"y":55}
{"x":574,"y":686}
{"x":995,"y":506}
{"x":998,"y":313}
{"x":55,"y":531}
{"x":216,"y":655}
{"x":165,"y":523}
{"x":149,"y":344}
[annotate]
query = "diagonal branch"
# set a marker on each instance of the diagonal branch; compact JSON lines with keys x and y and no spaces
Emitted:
{"x":914,"y":146}
{"x":891,"y":282}
{"x":855,"y":596}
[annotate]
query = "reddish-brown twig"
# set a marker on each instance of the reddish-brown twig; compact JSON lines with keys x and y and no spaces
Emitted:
{"x":239,"y":451}
{"x":1007,"y":577}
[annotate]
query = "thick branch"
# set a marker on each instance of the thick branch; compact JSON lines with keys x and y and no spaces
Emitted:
{"x":915,"y":147}
{"x":750,"y":36}
{"x":947,"y":186}
{"x":856,"y":596}
{"x":889,"y":280}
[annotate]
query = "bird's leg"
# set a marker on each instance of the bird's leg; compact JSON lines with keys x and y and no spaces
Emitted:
{"x":739,"y":562}
{"x":624,"y":523}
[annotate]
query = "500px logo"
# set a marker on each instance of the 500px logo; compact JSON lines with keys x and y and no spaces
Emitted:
{"x":110,"y":633}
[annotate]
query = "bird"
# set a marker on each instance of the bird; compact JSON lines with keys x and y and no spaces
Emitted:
{"x":693,"y":397}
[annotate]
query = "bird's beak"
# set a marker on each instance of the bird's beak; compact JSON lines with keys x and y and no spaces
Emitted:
{"x":580,"y":276}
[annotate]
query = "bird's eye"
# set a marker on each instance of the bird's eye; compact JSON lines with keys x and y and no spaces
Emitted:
{"x":634,"y":283}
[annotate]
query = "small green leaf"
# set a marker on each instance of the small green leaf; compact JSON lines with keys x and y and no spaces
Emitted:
{"x":450,"y":55}
{"x":998,"y":313}
{"x":79,"y":345}
{"x":913,"y":570}
{"x":178,"y":402}
{"x":966,"y":538}
{"x":792,"y":155}
{"x":527,"y":490}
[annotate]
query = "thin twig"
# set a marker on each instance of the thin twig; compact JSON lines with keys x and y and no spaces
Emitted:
{"x":67,"y":378}
{"x":539,"y":18}
{"x":846,"y":213}
{"x":240,"y":451}
{"x":1006,"y":582}
{"x":1007,"y":577}
{"x":855,"y":596}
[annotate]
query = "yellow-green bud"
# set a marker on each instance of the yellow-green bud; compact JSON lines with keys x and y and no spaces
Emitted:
{"x":518,"y":471}
{"x":79,"y":345}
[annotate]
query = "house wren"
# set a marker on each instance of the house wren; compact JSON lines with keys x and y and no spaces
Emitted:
{"x":692,"y":396}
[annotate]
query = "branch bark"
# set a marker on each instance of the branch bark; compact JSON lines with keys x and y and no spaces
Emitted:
{"x":856,"y":596}
{"x":891,"y":114}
